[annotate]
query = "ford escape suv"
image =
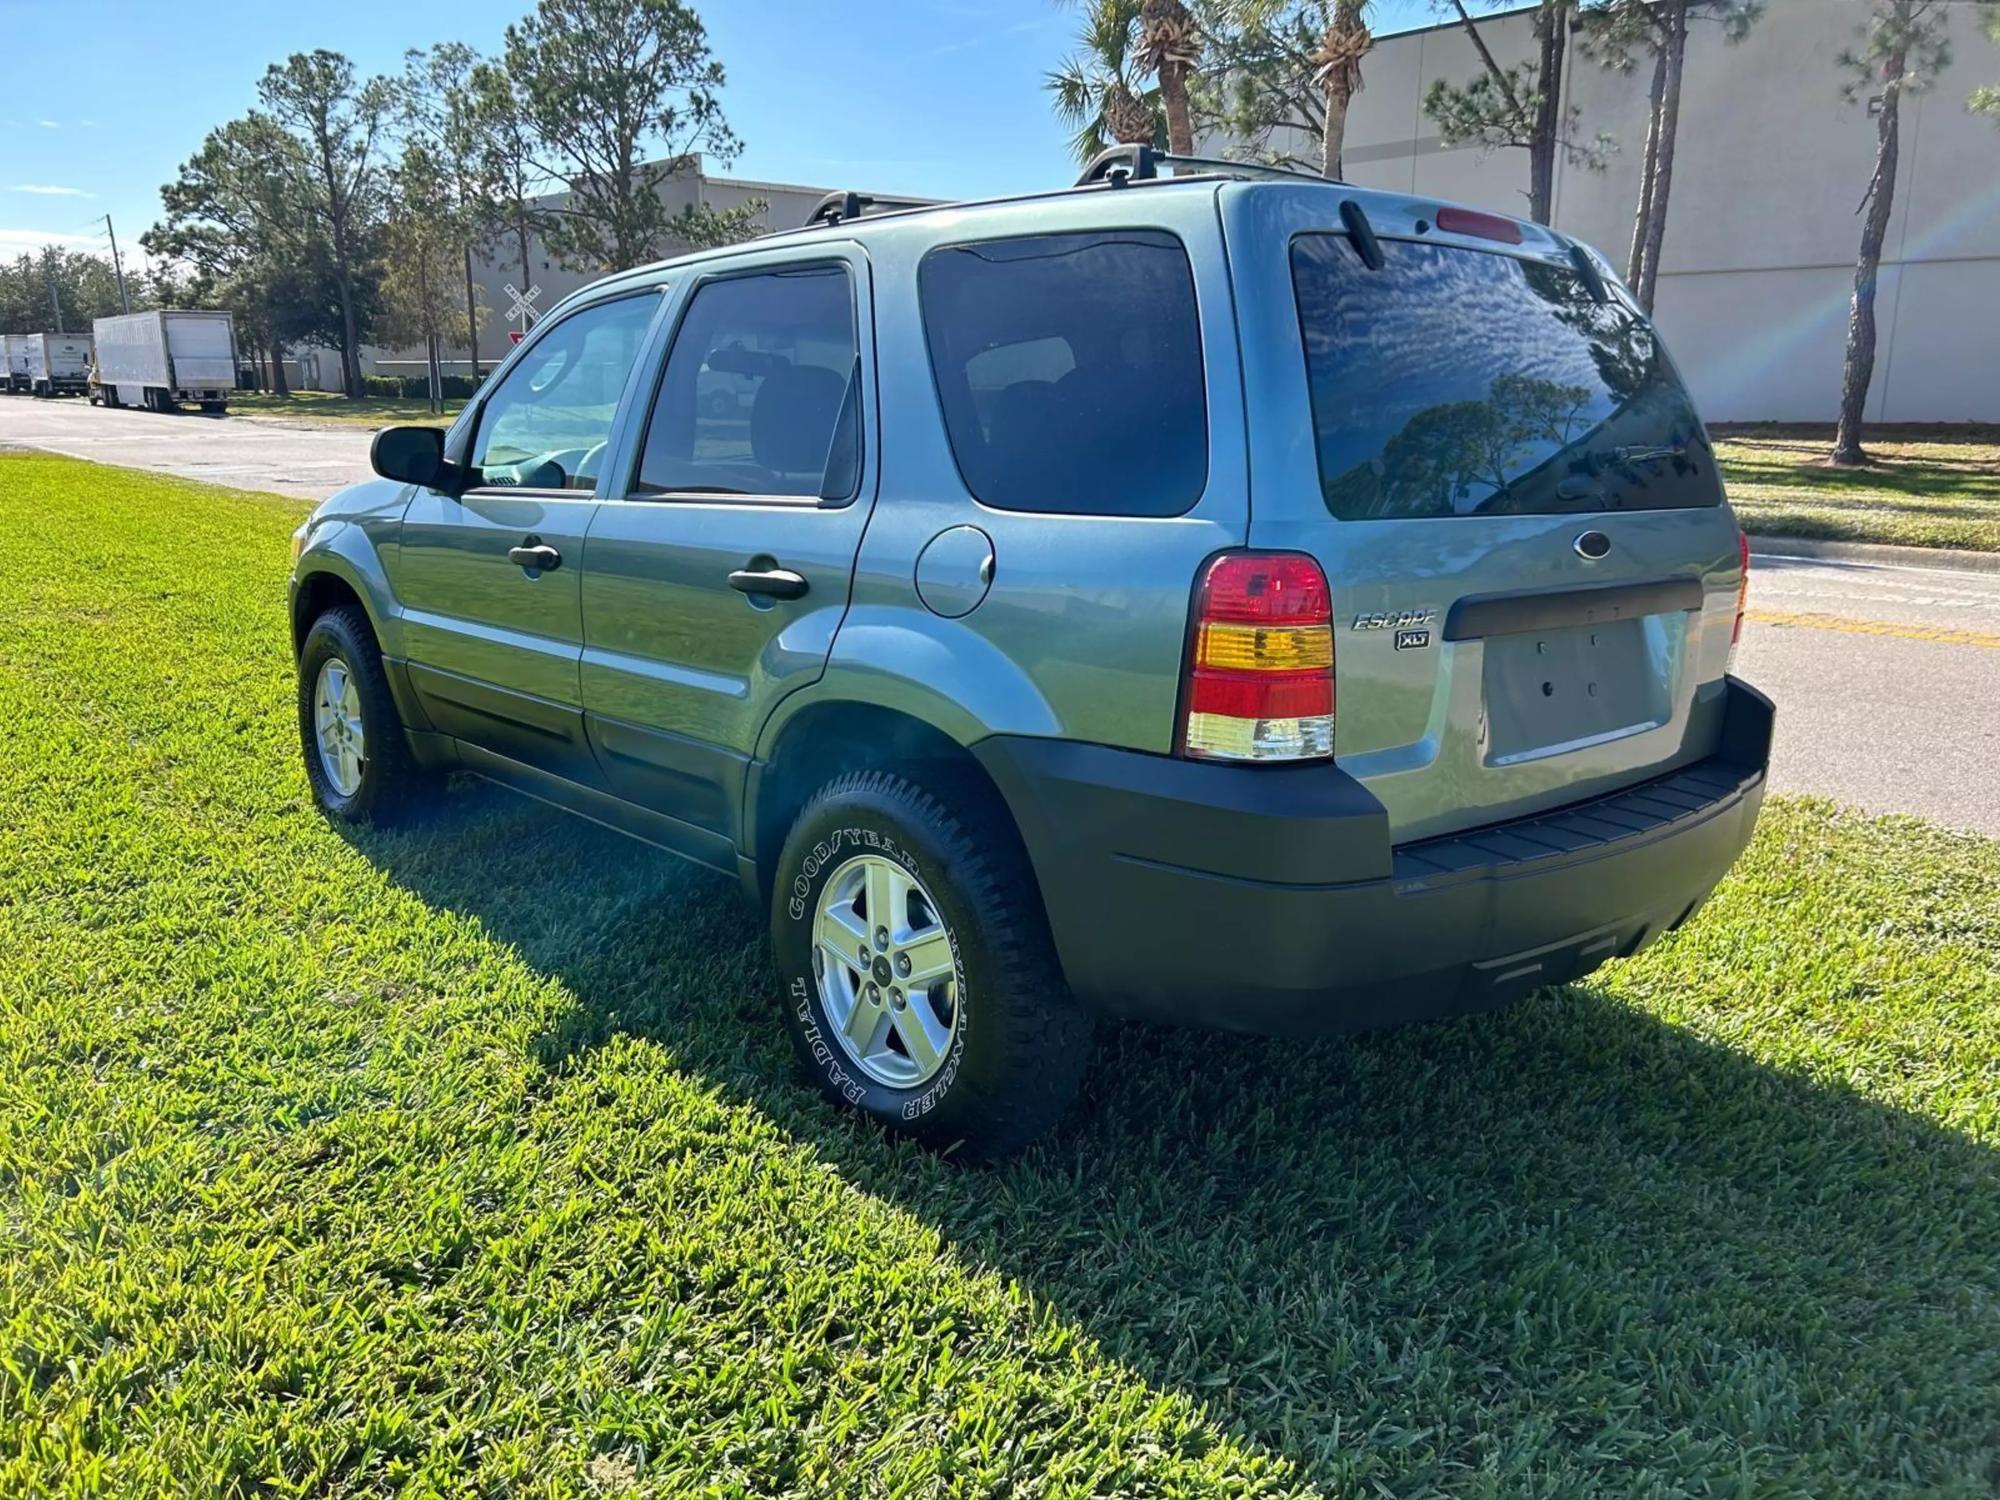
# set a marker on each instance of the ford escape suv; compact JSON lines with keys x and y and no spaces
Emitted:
{"x":1209,"y":595}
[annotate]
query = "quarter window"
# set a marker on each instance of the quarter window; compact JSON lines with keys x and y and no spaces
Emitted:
{"x":546,"y":424}
{"x":1069,"y":371}
{"x":761,"y":394}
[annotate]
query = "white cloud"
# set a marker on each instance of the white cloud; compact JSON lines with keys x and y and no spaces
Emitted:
{"x":50,"y":124}
{"x":17,"y":242}
{"x":49,"y":190}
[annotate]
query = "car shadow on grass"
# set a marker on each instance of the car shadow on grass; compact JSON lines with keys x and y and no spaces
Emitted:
{"x":1562,"y":1246}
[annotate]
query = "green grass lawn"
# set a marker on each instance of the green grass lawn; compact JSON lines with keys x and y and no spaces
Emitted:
{"x":1928,"y":487}
{"x":330,"y":407}
{"x":471,"y":1158}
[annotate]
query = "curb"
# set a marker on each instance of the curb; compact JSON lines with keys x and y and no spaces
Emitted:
{"x":1951,"y":559}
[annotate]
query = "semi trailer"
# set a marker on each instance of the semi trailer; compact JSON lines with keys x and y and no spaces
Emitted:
{"x":57,"y":364}
{"x":160,"y":359}
{"x":13,"y":361}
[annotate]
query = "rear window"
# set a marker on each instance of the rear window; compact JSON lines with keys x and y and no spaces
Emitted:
{"x":1069,"y":371}
{"x":1462,"y":382}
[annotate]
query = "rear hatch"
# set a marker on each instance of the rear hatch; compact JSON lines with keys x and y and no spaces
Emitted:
{"x":1489,"y":452}
{"x":69,"y":358}
{"x":203,"y":351}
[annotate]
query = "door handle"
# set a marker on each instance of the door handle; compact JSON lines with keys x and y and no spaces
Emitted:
{"x":539,"y":558}
{"x":774,"y":583}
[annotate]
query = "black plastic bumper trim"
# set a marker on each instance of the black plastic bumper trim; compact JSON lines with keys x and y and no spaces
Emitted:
{"x":1254,"y":900}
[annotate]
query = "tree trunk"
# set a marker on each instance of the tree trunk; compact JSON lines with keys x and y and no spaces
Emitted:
{"x":521,"y":228}
{"x":1860,"y":371}
{"x":1553,"y":24}
{"x":350,"y":336}
{"x":1343,"y":82}
{"x":279,"y":386}
{"x":471,"y":317}
{"x":1174,"y":100}
{"x":1334,"y":139}
{"x":1663,"y":174}
{"x":1635,"y":262}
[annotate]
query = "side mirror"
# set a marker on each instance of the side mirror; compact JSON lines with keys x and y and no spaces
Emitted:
{"x":410,"y":455}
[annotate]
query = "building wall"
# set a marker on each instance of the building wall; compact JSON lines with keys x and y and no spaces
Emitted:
{"x":786,"y":206}
{"x":1758,"y":267}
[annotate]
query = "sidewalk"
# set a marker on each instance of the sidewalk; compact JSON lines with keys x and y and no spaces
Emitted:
{"x":1952,"y":559}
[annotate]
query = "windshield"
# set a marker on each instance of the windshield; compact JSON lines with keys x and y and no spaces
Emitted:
{"x":1459,"y":382}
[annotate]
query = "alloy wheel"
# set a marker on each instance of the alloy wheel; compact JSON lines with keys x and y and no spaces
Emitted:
{"x":887,"y":974}
{"x":338,"y":733}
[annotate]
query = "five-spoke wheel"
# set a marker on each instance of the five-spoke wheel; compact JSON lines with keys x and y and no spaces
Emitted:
{"x":339,"y":733}
{"x":885,"y":970}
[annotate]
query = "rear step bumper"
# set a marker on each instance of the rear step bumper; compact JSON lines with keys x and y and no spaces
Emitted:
{"x":1271,"y":899}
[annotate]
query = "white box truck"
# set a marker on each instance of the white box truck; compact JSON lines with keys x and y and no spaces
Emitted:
{"x":13,"y":361}
{"x":58,"y":363}
{"x":160,"y":359}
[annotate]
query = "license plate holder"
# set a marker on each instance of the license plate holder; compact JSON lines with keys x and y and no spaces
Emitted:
{"x":1553,"y":691}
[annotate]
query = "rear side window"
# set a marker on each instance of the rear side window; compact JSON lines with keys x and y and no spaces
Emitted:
{"x":1464,"y":382}
{"x":1069,"y":370}
{"x":761,"y":392}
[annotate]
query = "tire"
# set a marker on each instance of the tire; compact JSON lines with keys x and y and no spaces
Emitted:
{"x":383,"y":782}
{"x":1017,"y":1044}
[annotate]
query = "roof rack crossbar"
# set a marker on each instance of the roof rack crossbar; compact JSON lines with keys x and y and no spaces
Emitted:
{"x":836,"y":208}
{"x":1119,"y":165}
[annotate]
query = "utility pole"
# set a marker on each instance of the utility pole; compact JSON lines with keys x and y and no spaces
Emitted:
{"x":49,"y":275}
{"x":124,"y":301}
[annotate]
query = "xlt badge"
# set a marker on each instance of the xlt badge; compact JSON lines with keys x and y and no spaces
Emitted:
{"x":1409,"y":640}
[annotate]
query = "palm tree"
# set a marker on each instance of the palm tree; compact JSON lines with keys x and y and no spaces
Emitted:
{"x":1094,"y":91}
{"x":1345,"y":43}
{"x":1281,"y":75}
{"x":1169,"y":49}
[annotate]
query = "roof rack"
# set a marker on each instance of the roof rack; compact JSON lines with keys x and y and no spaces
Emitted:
{"x":836,"y":208}
{"x":1121,"y":165}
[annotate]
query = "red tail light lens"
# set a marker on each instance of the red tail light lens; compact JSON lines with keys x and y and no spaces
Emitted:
{"x":1742,"y":588}
{"x":1260,"y":660}
{"x":1485,"y":226}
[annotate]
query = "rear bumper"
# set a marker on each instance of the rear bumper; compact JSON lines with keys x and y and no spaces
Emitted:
{"x":1272,"y":900}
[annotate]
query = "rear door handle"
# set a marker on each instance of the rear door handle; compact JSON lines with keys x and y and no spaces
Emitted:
{"x":538,"y":558}
{"x":774,"y":583}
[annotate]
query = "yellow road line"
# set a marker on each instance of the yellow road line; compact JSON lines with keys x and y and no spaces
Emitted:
{"x":1941,"y":634}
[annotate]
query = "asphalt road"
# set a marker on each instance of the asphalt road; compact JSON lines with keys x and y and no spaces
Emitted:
{"x":292,"y":458}
{"x":1887,"y":681}
{"x":1887,"y":678}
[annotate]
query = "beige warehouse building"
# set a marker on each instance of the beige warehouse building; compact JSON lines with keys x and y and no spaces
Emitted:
{"x":1758,"y":267}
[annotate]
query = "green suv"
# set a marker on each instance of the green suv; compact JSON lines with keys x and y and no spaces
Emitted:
{"x":1214,"y":596}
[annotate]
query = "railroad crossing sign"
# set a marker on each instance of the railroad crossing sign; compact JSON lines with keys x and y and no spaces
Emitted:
{"x":523,"y":305}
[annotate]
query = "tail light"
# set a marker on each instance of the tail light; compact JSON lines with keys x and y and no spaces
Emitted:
{"x":1742,"y":589}
{"x":1260,"y":660}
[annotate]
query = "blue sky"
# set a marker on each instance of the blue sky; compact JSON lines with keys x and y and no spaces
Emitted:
{"x":103,"y":99}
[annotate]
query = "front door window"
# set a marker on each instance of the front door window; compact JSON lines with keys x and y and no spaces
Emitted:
{"x":546,"y":425}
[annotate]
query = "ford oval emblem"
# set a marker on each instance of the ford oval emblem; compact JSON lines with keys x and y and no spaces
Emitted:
{"x":1592,"y":546}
